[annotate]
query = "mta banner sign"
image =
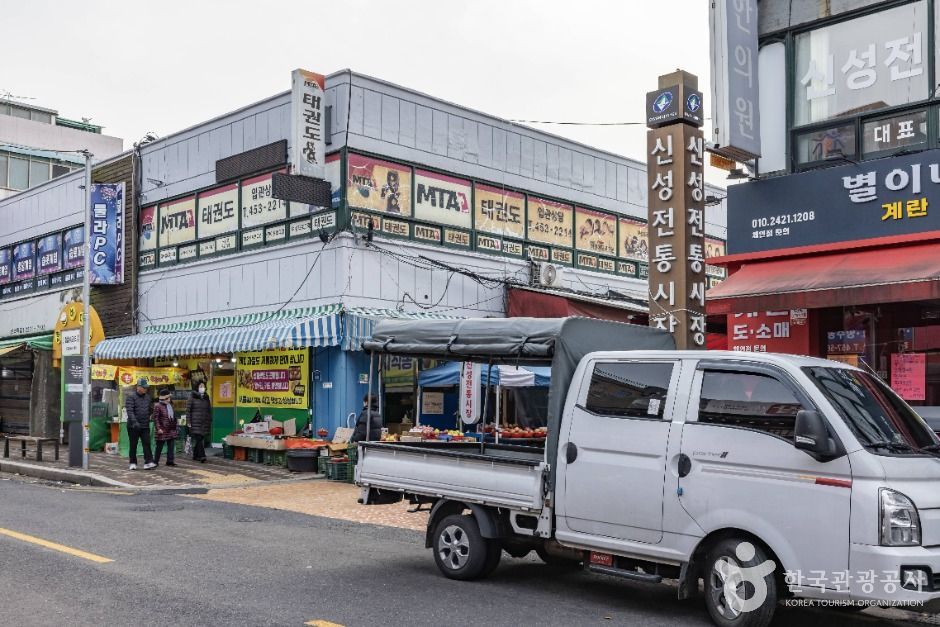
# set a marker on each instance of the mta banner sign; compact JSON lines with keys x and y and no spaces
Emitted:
{"x":107,"y":234}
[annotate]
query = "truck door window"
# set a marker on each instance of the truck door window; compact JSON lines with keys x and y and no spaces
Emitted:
{"x":629,"y":389}
{"x":748,"y":401}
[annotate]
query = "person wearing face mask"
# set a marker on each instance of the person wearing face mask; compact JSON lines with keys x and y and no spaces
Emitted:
{"x":199,"y":417}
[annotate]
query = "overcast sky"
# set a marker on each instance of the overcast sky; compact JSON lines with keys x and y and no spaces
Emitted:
{"x":161,"y":66}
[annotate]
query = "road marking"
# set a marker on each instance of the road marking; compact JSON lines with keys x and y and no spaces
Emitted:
{"x":55,"y":546}
{"x":322,"y":623}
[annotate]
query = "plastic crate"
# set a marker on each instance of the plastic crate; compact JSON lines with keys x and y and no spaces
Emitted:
{"x":228,"y":452}
{"x":276,"y":458}
{"x":322,"y":462}
{"x":353,"y":453}
{"x":256,"y":455}
{"x":340,"y":471}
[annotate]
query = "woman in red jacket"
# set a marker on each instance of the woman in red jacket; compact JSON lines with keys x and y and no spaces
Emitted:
{"x":166,"y":428}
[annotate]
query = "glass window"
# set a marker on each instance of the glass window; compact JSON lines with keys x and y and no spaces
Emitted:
{"x":871,"y":62}
{"x":830,"y":143}
{"x":908,"y":130}
{"x":3,"y":170}
{"x":41,"y":116}
{"x":4,"y":108}
{"x":19,"y":112}
{"x":19,"y":173}
{"x":629,"y":389}
{"x":748,"y":401}
{"x":38,"y":172}
{"x":881,"y":421}
{"x":59,"y":170}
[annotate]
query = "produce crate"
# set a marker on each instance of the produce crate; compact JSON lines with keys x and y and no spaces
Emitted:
{"x":228,"y":452}
{"x":256,"y":455}
{"x":276,"y":458}
{"x":340,"y":471}
{"x":322,"y":462}
{"x":353,"y":453}
{"x":240,"y":453}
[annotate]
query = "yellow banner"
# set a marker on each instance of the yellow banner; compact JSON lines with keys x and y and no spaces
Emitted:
{"x":103,"y":372}
{"x":276,"y":378}
{"x":129,"y":375}
{"x":633,"y":240}
{"x":550,"y":222}
{"x":596,"y":231}
{"x":499,"y":211}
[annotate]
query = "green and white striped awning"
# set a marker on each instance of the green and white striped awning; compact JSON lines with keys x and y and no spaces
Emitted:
{"x":329,"y":325}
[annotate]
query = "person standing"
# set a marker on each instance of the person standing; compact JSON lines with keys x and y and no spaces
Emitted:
{"x":166,"y":428}
{"x":199,"y":418}
{"x":139,"y":408}
{"x":370,"y":405}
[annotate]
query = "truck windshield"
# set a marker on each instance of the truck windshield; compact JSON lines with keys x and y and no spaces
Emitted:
{"x":881,"y":421}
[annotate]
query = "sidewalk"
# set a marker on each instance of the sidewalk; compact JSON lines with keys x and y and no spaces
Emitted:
{"x":111,"y":471}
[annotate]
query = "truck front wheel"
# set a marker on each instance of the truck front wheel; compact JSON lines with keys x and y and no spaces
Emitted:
{"x":459,"y":550}
{"x":740,"y":587}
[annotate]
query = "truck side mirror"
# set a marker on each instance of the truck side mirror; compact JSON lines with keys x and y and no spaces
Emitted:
{"x":810,"y":434}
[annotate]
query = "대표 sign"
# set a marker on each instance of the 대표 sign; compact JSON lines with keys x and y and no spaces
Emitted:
{"x":909,"y":375}
{"x":107,"y":234}
{"x":258,"y":205}
{"x":378,"y":185}
{"x":550,"y":222}
{"x":499,"y":211}
{"x":308,"y":105}
{"x":634,"y":243}
{"x":442,"y":199}
{"x":469,"y":392}
{"x":596,"y":231}
{"x":177,"y":222}
{"x":276,"y":378}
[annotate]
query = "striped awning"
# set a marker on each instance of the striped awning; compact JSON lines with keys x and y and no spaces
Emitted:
{"x":297,"y":328}
{"x":360,"y":322}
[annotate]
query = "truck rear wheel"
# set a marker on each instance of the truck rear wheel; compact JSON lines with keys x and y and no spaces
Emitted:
{"x":459,"y":550}
{"x":740,"y":587}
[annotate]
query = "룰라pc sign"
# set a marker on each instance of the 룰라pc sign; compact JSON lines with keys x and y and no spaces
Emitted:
{"x":887,"y":197}
{"x":107,"y":234}
{"x":442,"y":199}
{"x":736,"y":129}
{"x":308,"y":113}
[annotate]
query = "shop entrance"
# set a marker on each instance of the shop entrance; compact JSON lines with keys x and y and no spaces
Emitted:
{"x":16,"y":382}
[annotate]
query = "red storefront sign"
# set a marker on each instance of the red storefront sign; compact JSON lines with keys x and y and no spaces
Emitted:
{"x":769,"y":332}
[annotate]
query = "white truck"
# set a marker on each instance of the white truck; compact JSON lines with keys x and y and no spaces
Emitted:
{"x":750,"y":477}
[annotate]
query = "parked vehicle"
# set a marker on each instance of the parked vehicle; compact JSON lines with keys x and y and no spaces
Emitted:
{"x":762,"y":476}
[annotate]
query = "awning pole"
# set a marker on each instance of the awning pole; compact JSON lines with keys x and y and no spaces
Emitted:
{"x":418,"y":406}
{"x":486,"y":394}
{"x":369,"y":404}
{"x":497,"y":420}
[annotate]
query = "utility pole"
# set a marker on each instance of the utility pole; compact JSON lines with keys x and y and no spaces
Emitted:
{"x":86,"y":316}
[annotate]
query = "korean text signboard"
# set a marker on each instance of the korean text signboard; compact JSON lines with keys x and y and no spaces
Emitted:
{"x":73,"y":247}
{"x":107,"y":234}
{"x":499,"y":211}
{"x":882,"y":198}
{"x":469,"y":392}
{"x":909,"y":375}
{"x":677,"y":226}
{"x":218,"y":211}
{"x":177,"y":222}
{"x":550,"y":222}
{"x":277,"y":378}
{"x":378,"y":185}
{"x":6,"y":265}
{"x":258,"y":205}
{"x":308,"y":111}
{"x":49,"y":253}
{"x":769,"y":332}
{"x":24,"y":261}
{"x":442,"y":199}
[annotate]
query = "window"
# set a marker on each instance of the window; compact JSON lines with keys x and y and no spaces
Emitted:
{"x":19,"y":112}
{"x":830,"y":143}
{"x":19,"y":173}
{"x":41,"y":116}
{"x":3,"y":170}
{"x":38,"y":172}
{"x":865,"y":64}
{"x":887,"y":135}
{"x":629,"y":389}
{"x":748,"y":401}
{"x":59,"y":170}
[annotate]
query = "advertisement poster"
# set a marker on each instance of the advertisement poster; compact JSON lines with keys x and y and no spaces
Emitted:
{"x":217,"y":211}
{"x":6,"y":265}
{"x":378,"y":185}
{"x":272,"y":379}
{"x":399,"y":373}
{"x":442,"y":199}
{"x":223,"y":390}
{"x":178,"y":222}
{"x":767,"y":332}
{"x":107,"y":234}
{"x":49,"y":252}
{"x":154,"y":376}
{"x":148,"y":230}
{"x":499,"y":211}
{"x":307,"y":119}
{"x":714,"y":248}
{"x":634,"y":243}
{"x":432,"y":403}
{"x":851,"y":342}
{"x":550,"y":222}
{"x":909,"y":375}
{"x":259,"y":206}
{"x":73,"y":248}
{"x":24,"y":261}
{"x":596,"y":231}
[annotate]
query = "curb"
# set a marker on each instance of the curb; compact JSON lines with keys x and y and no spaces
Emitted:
{"x":79,"y":477}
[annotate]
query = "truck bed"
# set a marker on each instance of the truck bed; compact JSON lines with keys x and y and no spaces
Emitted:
{"x":501,"y":476}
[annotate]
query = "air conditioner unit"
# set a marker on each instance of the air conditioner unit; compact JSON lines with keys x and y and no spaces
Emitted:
{"x":546,"y":275}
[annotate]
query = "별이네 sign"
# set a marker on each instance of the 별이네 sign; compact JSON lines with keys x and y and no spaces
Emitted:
{"x":909,"y":375}
{"x":217,"y":211}
{"x":596,"y":231}
{"x":499,"y":211}
{"x":177,"y":222}
{"x":442,"y":199}
{"x":277,"y":378}
{"x":107,"y":234}
{"x":378,"y":185}
{"x":550,"y":222}
{"x":308,"y":106}
{"x":258,"y":205}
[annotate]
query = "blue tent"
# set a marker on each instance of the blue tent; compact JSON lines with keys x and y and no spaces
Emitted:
{"x":448,"y":374}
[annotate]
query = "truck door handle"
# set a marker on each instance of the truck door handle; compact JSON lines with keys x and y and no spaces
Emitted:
{"x":685,"y":465}
{"x":571,"y":452}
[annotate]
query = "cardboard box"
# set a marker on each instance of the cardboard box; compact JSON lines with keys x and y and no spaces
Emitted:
{"x":255,"y":427}
{"x":260,"y":443}
{"x":342,"y":435}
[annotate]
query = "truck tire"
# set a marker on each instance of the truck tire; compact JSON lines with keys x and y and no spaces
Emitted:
{"x":459,"y":550}
{"x":495,"y":553}
{"x":517,"y":550}
{"x":735,"y":595}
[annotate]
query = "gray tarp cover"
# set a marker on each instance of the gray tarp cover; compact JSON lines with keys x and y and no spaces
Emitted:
{"x":559,"y":342}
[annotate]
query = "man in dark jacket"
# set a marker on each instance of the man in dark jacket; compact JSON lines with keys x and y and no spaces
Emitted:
{"x":375,"y":430}
{"x":199,"y":419}
{"x":139,"y":407}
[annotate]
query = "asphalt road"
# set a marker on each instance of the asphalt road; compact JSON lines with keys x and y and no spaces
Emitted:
{"x":184,"y":561}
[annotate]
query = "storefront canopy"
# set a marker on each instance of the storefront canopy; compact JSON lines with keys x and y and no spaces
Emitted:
{"x":34,"y":342}
{"x":448,"y":374}
{"x":859,"y":278}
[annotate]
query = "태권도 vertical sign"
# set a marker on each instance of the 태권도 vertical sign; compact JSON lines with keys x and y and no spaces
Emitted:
{"x":308,"y":113}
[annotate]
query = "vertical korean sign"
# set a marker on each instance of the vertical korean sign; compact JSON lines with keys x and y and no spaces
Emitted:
{"x":107,"y":234}
{"x":308,"y":110}
{"x":676,"y":210}
{"x":469,"y":392}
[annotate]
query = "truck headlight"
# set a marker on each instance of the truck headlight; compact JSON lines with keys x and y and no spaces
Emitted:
{"x":900,"y":524}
